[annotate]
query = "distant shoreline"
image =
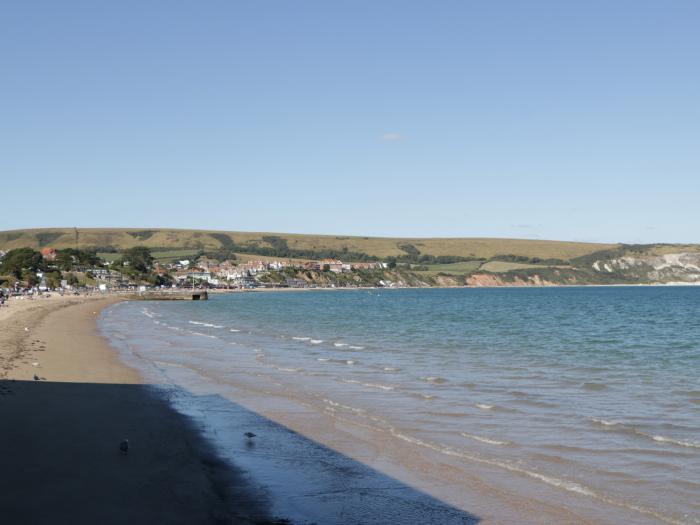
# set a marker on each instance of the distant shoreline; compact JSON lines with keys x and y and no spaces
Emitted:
{"x":216,"y":291}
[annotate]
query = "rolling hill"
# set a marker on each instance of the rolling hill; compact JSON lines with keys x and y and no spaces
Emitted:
{"x":380,"y":247}
{"x":423,"y":261}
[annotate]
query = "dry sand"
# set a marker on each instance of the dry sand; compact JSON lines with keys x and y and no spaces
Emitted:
{"x":60,"y":435}
{"x":77,"y":352}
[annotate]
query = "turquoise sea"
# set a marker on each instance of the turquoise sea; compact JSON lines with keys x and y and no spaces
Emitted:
{"x":586,"y":397}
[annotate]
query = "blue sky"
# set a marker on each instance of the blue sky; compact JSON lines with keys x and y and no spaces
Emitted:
{"x":537,"y":119}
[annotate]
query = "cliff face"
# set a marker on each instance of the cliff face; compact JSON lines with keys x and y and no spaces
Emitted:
{"x":486,"y":279}
{"x":683,"y":267}
{"x":632,"y":265}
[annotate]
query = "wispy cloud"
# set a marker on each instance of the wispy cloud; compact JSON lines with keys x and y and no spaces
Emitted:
{"x":388,"y":137}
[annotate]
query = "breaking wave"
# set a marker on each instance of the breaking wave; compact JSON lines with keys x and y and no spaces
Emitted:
{"x":485,"y":440}
{"x":621,"y":427}
{"x":368,"y":385}
{"x":208,"y":325}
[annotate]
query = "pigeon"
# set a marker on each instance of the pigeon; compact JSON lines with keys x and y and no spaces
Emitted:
{"x":124,"y":446}
{"x":249,"y":435}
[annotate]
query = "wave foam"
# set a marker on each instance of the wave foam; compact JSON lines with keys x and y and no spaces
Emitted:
{"x":335,"y":404}
{"x":204,"y":335}
{"x":485,"y":440}
{"x":368,"y":385}
{"x":679,"y":442}
{"x":605,"y":422}
{"x":208,"y":325}
{"x":435,"y":380}
{"x":616,"y":425}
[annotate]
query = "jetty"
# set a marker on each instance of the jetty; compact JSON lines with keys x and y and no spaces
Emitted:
{"x":176,"y":295}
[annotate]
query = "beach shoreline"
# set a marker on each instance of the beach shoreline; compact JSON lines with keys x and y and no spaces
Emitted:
{"x":254,"y":361}
{"x":218,"y":291}
{"x":62,"y":433}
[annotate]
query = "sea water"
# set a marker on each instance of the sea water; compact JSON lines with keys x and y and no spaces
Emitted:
{"x":588,"y":392}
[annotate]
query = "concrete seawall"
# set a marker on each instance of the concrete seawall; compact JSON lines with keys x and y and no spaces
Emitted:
{"x":180,"y":295}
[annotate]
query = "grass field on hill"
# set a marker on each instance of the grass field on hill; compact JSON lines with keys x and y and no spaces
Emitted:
{"x":505,"y":266}
{"x":179,"y":240}
{"x":161,"y":256}
{"x":454,"y":268}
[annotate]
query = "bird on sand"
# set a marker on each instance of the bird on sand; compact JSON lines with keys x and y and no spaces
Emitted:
{"x":124,"y":446}
{"x":249,"y":435}
{"x":36,"y":377}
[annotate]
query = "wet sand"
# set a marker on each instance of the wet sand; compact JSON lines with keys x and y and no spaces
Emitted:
{"x":60,"y":435}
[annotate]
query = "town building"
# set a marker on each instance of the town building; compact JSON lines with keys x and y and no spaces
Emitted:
{"x":334,"y":265}
{"x":48,"y":254}
{"x":297,"y":283}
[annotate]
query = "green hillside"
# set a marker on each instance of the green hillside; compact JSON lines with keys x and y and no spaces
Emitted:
{"x":379,"y":247}
{"x":409,"y":262}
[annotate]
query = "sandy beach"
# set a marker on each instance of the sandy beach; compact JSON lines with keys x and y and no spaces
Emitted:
{"x":60,"y":435}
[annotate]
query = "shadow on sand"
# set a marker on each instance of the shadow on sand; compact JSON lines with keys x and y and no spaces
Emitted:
{"x":61,"y":463}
